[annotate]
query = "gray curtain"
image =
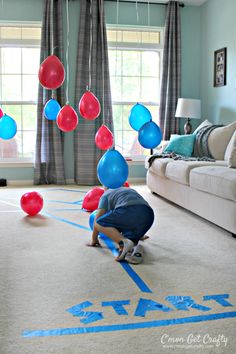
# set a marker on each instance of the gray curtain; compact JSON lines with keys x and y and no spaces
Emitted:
{"x":91,"y":28}
{"x":49,"y":160}
{"x":171,"y":74}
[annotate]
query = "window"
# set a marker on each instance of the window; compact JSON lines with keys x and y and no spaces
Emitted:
{"x":19,"y":64}
{"x":135,"y":69}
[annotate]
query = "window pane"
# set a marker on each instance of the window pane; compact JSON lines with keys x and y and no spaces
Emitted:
{"x":150,"y":64}
{"x":118,"y":140}
{"x":30,"y":60}
{"x":29,"y":117}
{"x":132,"y":36}
{"x":154,"y":112}
{"x":150,"y":90}
{"x":11,"y":88}
{"x":115,"y":62}
{"x":31,"y":33}
{"x":10,"y":60}
{"x":126,"y":113}
{"x":29,"y":143}
{"x":117,"y":117}
{"x":151,"y":37}
{"x":131,"y":89}
{"x":116,"y":88}
{"x":10,"y":32}
{"x":8,"y":148}
{"x":30,"y":87}
{"x":131,"y":63}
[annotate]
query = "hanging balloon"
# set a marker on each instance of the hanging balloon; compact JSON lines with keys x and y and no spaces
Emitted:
{"x":67,"y":118}
{"x":31,"y":203}
{"x":139,"y":115}
{"x":89,"y":106}
{"x":112,"y":169}
{"x":51,"y":73}
{"x":104,"y":138}
{"x":8,"y":127}
{"x":91,"y":199}
{"x":51,"y":109}
{"x":1,"y":113}
{"x":150,"y":135}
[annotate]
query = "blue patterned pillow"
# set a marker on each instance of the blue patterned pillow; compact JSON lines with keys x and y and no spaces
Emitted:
{"x":181,"y":145}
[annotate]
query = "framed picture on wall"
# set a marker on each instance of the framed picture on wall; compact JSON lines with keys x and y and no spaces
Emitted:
{"x":220,"y":67}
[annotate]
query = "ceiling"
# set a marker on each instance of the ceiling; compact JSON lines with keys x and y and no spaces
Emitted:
{"x":186,"y":2}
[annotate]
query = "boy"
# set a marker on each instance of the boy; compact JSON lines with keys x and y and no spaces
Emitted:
{"x":124,"y":216}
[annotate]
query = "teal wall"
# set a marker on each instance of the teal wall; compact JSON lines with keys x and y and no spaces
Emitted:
{"x":204,"y":29}
{"x":218,"y":31}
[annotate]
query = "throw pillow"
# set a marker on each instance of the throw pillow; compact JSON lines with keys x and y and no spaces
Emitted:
{"x":203,"y":124}
{"x":231,"y":157}
{"x":219,"y":139}
{"x":181,"y":145}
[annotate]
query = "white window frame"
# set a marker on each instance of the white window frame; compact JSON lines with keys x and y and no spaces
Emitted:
{"x":19,"y":43}
{"x":138,"y":46}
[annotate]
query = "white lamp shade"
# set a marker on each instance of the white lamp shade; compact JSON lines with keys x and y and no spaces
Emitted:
{"x":188,"y":108}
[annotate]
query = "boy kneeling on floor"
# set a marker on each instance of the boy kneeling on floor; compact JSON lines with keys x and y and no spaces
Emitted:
{"x":124,"y":216}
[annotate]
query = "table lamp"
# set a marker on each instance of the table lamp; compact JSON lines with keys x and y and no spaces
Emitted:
{"x":188,"y":108}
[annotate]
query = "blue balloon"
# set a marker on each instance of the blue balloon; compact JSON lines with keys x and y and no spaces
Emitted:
{"x":91,"y":219}
{"x":8,"y":127}
{"x":150,"y":135}
{"x":139,"y":115}
{"x":112,"y":169}
{"x":51,"y":109}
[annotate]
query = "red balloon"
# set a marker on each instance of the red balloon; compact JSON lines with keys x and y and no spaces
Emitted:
{"x":31,"y":203}
{"x":91,"y":199}
{"x":126,"y":184}
{"x":51,"y":73}
{"x":104,"y":138}
{"x":89,"y":106}
{"x":67,"y":119}
{"x":1,"y":113}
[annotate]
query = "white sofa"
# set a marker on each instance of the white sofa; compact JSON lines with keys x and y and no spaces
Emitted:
{"x":207,"y":189}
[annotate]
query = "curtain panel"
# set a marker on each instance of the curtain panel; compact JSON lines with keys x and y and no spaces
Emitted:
{"x":49,"y":159}
{"x":92,"y":67}
{"x":171,"y":71}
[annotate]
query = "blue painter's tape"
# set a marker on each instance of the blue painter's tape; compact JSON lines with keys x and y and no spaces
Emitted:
{"x":134,"y":276}
{"x":69,"y":209}
{"x":78,"y":202}
{"x":218,"y":298}
{"x":127,"y":326}
{"x":67,"y":221}
{"x":117,"y":306}
{"x":145,"y":305}
{"x":68,"y":190}
{"x":184,"y":303}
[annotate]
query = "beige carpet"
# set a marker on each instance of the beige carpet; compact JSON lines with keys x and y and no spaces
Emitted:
{"x":59,"y":296}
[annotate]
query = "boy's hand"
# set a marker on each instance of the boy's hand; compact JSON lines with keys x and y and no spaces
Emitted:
{"x":94,"y":244}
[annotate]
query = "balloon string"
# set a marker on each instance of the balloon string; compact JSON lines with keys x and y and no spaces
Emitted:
{"x":90,"y":45}
{"x":137,"y":14}
{"x":102,"y":40}
{"x":149,"y":20}
{"x":67,"y":53}
{"x":52,"y":28}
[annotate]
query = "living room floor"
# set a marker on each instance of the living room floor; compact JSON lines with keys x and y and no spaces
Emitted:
{"x":59,"y":296}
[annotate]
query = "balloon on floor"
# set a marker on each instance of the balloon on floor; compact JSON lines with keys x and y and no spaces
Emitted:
{"x":51,"y":73}
{"x":150,"y":135}
{"x":67,"y":119}
{"x":1,"y":112}
{"x":8,"y":127}
{"x":91,"y":219}
{"x":139,"y":115}
{"x":112,"y":169}
{"x":31,"y":203}
{"x":104,"y":138}
{"x":91,"y":199}
{"x":51,"y":109}
{"x":89,"y":106}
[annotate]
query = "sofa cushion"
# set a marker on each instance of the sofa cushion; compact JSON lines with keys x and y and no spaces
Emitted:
{"x":217,"y":180}
{"x":181,"y":144}
{"x":158,"y":165}
{"x":179,"y":170}
{"x":230,"y":152}
{"x":219,"y":139}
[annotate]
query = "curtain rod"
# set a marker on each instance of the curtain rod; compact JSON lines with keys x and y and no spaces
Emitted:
{"x":146,"y":3}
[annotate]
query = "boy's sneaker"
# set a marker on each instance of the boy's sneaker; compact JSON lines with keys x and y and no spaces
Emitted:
{"x":126,"y":245}
{"x":136,"y":256}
